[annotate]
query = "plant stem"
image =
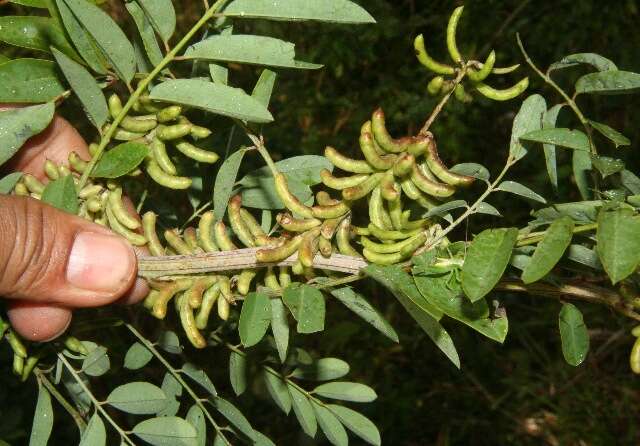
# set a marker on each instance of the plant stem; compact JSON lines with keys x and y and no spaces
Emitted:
{"x":262,"y":150}
{"x":61,"y":399}
{"x":436,"y":111}
{"x":532,"y":239}
{"x":95,"y":402}
{"x":142,"y":85}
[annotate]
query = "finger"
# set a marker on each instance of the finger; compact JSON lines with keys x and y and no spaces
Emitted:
{"x":49,"y":256}
{"x":38,"y":322}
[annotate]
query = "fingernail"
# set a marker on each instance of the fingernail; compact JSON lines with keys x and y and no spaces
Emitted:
{"x":99,"y":262}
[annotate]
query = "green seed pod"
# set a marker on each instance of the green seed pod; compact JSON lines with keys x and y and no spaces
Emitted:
{"x":21,"y":190}
{"x":367,"y":128}
{"x":403,"y":165}
{"x":190,"y":237}
{"x":160,"y":155}
{"x":16,"y":344}
{"x":290,"y":201}
{"x":380,"y":162}
{"x":389,"y":188}
{"x":435,"y":85}
{"x":308,"y":247}
{"x":430,"y":187}
{"x":251,"y":223}
{"x":436,"y":166}
{"x":325,"y":247}
{"x":341,"y":183}
{"x":149,"y":229}
{"x":189,"y":324}
{"x":324,"y":199}
{"x":29,"y":365}
{"x":223,"y":309}
{"x":382,"y":259}
{"x":330,"y":226}
{"x":636,"y":331}
{"x":94,"y":205}
{"x":284,"y":277}
{"x":171,"y":132}
{"x":33,"y":184}
{"x":169,"y":113}
{"x":297,"y":268}
{"x":279,"y":253}
{"x":244,"y":281}
{"x":384,"y":234}
{"x":428,"y":61}
{"x":222,"y":238}
{"x":51,"y":170}
{"x":343,"y":235}
{"x":150,"y":299}
{"x":487,"y":67}
{"x":417,"y":145}
{"x":634,"y":357}
{"x":18,"y":365}
{"x":297,"y":225}
{"x":139,"y":124}
{"x":382,"y":137}
{"x":166,"y":293}
{"x":377,"y":213}
{"x":346,"y":164}
{"x":414,"y":243}
{"x":196,"y":153}
{"x":415,"y":224}
{"x":363,"y":189}
{"x":115,"y":224}
{"x":452,"y":46}
{"x":205,"y":232}
{"x":115,"y":106}
{"x":225,"y":288}
{"x":461,"y":94}
{"x":77,"y":163}
{"x":412,"y":191}
{"x":194,"y":294}
{"x":167,"y":180}
{"x":126,"y":135}
{"x":93,"y":148}
{"x":120,"y":212}
{"x":148,"y":105}
{"x":331,"y":211}
{"x":390,"y":248}
{"x":506,"y":70}
{"x":237,"y":223}
{"x":503,"y":95}
{"x":395,"y":213}
{"x":64,"y":171}
{"x":91,"y":190}
{"x":208,"y":301}
{"x":198,"y":132}
{"x":270,"y":280}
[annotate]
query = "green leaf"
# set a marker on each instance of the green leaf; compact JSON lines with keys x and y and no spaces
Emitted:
{"x":146,"y":32}
{"x":120,"y":160}
{"x":472,"y":170}
{"x":360,"y":306}
{"x":166,"y":431}
{"x":445,"y":208}
{"x":162,"y":16}
{"x":31,"y":3}
{"x":264,"y":87}
{"x":337,"y":11}
{"x":485,"y":208}
{"x":170,"y":342}
{"x":255,"y":318}
{"x":238,"y":373}
{"x":248,"y":49}
{"x":8,"y":182}
{"x":34,"y":33}
{"x":196,"y":417}
{"x":3,"y":59}
{"x":323,"y":369}
{"x":630,"y":181}
{"x":19,"y":124}
{"x":549,"y":119}
{"x":346,"y":391}
{"x":199,"y":376}
{"x":606,"y":165}
{"x":617,"y":138}
{"x":618,"y":247}
{"x":550,"y":250}
{"x":266,"y":197}
{"x":97,"y":362}
{"x":597,"y":61}
{"x":581,"y":165}
{"x":42,"y":419}
{"x":572,"y":139}
{"x":234,"y":416}
{"x":225,"y":180}
{"x":528,"y":119}
{"x":214,"y":98}
{"x":303,"y":410}
{"x":61,"y":193}
{"x":219,"y":74}
{"x":573,"y":334}
{"x":137,"y":357}
{"x":280,"y":328}
{"x":302,"y":169}
{"x":307,"y":306}
{"x":138,"y":398}
{"x":331,"y":426}
{"x":278,"y":390}
{"x":357,"y":423}
{"x":29,"y":81}
{"x":609,"y":82}
{"x":486,"y":261}
{"x":173,"y":390}
{"x":95,"y":434}
{"x":85,"y":87}
{"x":108,"y":36}
{"x":519,"y":189}
{"x":584,"y":256}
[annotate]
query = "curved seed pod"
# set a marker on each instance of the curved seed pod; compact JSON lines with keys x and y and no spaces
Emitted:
{"x":308,"y":247}
{"x":395,"y":213}
{"x":273,"y":255}
{"x":189,"y":324}
{"x":29,"y":365}
{"x":77,"y":163}
{"x":382,"y":259}
{"x":205,"y":232}
{"x":343,"y":234}
{"x":138,"y":124}
{"x":341,"y":183}
{"x":264,"y":240}
{"x":237,"y":223}
{"x":198,"y":132}
{"x":21,"y":190}
{"x":150,"y":299}
{"x":503,"y":95}
{"x":506,"y":70}
{"x":64,"y":171}
{"x":358,"y":230}
{"x":389,"y":248}
{"x":166,"y":293}
{"x":171,"y":132}
{"x":195,"y":292}
{"x":297,"y":225}
{"x":222,"y":238}
{"x":115,"y":105}
{"x":223,"y":309}
{"x":436,"y":166}
{"x":363,"y":189}
{"x":382,"y":136}
{"x":16,"y":344}
{"x":244,"y":281}
{"x":377,"y":212}
{"x":191,"y":238}
{"x":428,"y":61}
{"x":388,"y":187}
{"x":325,"y":247}
{"x":196,"y":153}
{"x":435,"y":85}
{"x":160,"y":155}
{"x":284,"y":277}
{"x":225,"y":288}
{"x":403,"y":165}
{"x":18,"y":365}
{"x":126,"y":135}
{"x":148,"y":105}
{"x":412,"y":191}
{"x":93,"y":148}
{"x":270,"y":279}
{"x":169,"y":113}
{"x":149,"y":229}
{"x":379,"y":162}
{"x":452,"y":45}
{"x":461,"y":94}
{"x":417,"y":145}
{"x":114,"y":223}
{"x":415,"y":224}
{"x":430,"y":187}
{"x":330,"y":226}
{"x":331,"y":211}
{"x":366,"y":128}
{"x":413,"y":244}
{"x":165,"y":179}
{"x":33,"y":184}
{"x":324,"y":199}
{"x":634,"y":357}
{"x":51,"y":170}
{"x":290,"y":201}
{"x":251,"y":223}
{"x":347,"y":164}
{"x":120,"y":212}
{"x":90,"y":191}
{"x":384,"y":234}
{"x":74,"y":345}
{"x":208,"y":301}
{"x":487,"y":67}
{"x":636,"y":331}
{"x":94,"y":205}
{"x":174,"y":240}
{"x":297,"y":268}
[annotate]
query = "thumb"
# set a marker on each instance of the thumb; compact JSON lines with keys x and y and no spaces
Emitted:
{"x":50,"y":256}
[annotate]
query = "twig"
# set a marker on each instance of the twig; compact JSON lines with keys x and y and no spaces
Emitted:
{"x":61,"y":399}
{"x":436,"y":111}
